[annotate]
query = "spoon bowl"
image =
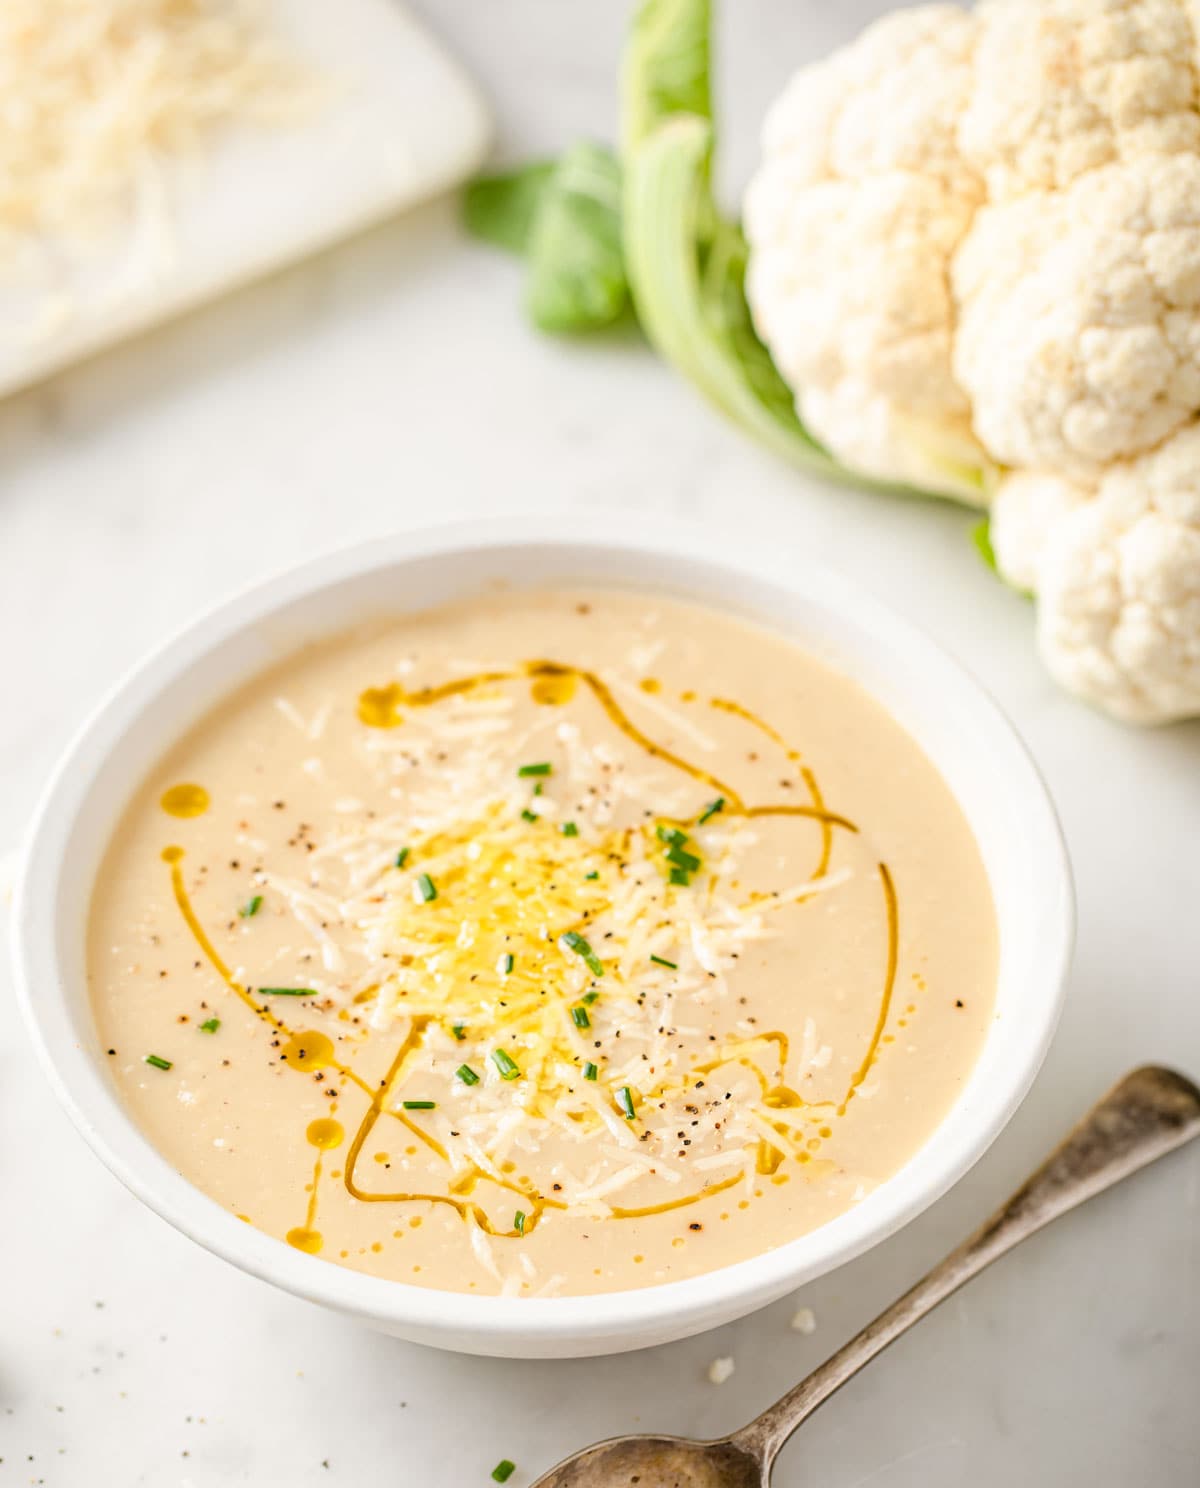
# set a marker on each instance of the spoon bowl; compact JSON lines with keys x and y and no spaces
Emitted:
{"x":657,"y":1462}
{"x":1150,"y":1113}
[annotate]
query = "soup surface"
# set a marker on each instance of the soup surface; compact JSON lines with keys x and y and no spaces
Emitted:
{"x":555,"y":942}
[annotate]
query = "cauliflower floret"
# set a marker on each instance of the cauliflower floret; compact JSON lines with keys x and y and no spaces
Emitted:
{"x":853,"y":227}
{"x":1064,"y":86}
{"x":1079,"y":316}
{"x":864,"y":330}
{"x":911,"y":68}
{"x":975,"y":256}
{"x":1117,"y":573}
{"x":1027,"y":508}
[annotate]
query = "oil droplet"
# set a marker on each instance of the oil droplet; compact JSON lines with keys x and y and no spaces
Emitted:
{"x":687,"y":697}
{"x":679,"y":1242}
{"x":185,"y":800}
{"x":637,"y":1260}
{"x":825,"y":1131}
{"x":379,"y":707}
{"x":309,"y":1241}
{"x":172,"y":854}
{"x":308,"y":1050}
{"x":554,"y":690}
{"x":650,"y":685}
{"x":415,"y":1222}
{"x":768,"y":1158}
{"x":325,"y":1133}
{"x":381,"y":1157}
{"x":376,"y":1247}
{"x":245,"y":1218}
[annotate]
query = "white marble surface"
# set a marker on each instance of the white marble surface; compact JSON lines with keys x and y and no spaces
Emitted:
{"x":394,"y":381}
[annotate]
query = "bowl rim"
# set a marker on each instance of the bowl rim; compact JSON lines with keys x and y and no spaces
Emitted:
{"x":93,"y":1103}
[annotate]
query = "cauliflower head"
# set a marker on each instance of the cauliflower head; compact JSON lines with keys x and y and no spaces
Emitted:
{"x":975,"y":256}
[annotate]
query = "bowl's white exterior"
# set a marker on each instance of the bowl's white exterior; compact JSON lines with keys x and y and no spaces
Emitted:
{"x":963,"y":733}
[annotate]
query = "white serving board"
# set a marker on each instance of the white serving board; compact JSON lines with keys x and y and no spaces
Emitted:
{"x":402,"y":123}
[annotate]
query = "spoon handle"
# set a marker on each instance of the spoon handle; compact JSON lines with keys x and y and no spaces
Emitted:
{"x":1149,"y":1113}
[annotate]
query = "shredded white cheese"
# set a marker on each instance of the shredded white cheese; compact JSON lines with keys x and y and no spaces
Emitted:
{"x":101,"y":99}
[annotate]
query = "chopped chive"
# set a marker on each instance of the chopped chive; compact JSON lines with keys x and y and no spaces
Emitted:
{"x":505,"y":964}
{"x":251,"y":907}
{"x":711,"y":810}
{"x":579,"y":1016}
{"x":591,"y":876}
{"x":569,"y":829}
{"x":590,"y":997}
{"x":575,"y":942}
{"x":459,"y":1030}
{"x":679,"y":876}
{"x":519,"y":1221}
{"x":625,"y":1101}
{"x":681,"y":859}
{"x":671,"y":835}
{"x":157,"y":1061}
{"x":590,"y":1071}
{"x":424,"y":889}
{"x":537,"y":790}
{"x":527,"y":770}
{"x":286,"y":992}
{"x":210,"y":1025}
{"x":662,"y":961}
{"x":401,"y":857}
{"x":529,"y":816}
{"x":420,"y":1105}
{"x":503,"y":1471}
{"x":509,"y":1069}
{"x":467,"y":1075}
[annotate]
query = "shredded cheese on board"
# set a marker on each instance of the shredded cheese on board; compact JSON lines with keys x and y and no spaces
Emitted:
{"x":102,"y":100}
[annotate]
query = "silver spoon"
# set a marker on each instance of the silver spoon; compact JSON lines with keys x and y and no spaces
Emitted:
{"x":1151,"y":1112}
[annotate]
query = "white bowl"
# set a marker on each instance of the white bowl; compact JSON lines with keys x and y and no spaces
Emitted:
{"x":959,"y":728}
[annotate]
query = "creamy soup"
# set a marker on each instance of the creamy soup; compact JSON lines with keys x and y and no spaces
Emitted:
{"x":555,"y":942}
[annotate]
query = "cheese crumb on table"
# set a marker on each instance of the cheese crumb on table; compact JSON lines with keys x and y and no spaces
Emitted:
{"x":720,"y":1370}
{"x":804,"y":1320}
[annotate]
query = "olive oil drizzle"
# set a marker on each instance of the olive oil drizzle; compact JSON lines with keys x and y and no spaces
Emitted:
{"x":380,"y":708}
{"x":889,"y":984}
{"x":374,"y":701}
{"x":827,"y":819}
{"x":466,"y":1210}
{"x":173,"y":856}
